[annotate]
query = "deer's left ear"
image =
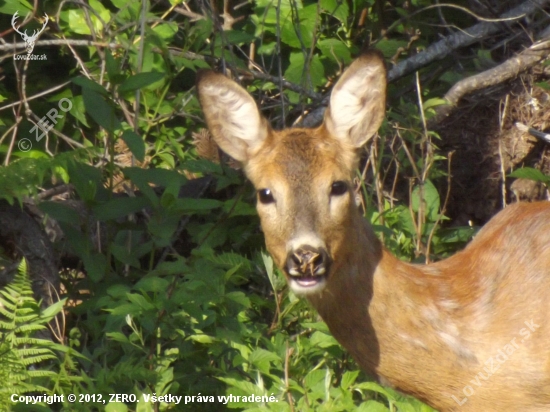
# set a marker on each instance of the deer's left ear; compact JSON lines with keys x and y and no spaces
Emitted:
{"x":358,"y":101}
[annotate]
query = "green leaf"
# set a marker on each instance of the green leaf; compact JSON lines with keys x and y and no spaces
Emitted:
{"x":125,"y":255}
{"x":372,"y":406}
{"x":298,"y":72}
{"x":152,"y":284}
{"x":322,"y":340}
{"x":167,"y":30}
{"x":117,"y":336}
{"x":405,"y":407}
{"x":119,"y":3}
{"x":116,"y":407}
{"x":52,"y":310}
{"x":140,"y":80}
{"x":300,"y":33}
{"x":60,"y":212}
{"x":375,"y":387}
{"x":197,"y":205}
{"x":335,"y":49}
{"x":235,"y":37}
{"x":157,"y":177}
{"x":78,"y":110}
{"x":229,"y":259}
{"x":100,"y":110}
{"x":140,"y":301}
{"x":348,"y":379}
{"x":86,"y":83}
{"x":436,"y":101}
{"x":118,"y":290}
{"x":10,"y":7}
{"x":389,"y":47}
{"x":531,"y":174}
{"x":239,"y":297}
{"x":95,"y":265}
{"x":314,"y":377}
{"x":135,"y":144}
{"x":428,"y":195}
{"x":75,"y":20}
{"x":86,"y":180}
{"x":336,"y":8}
{"x":120,"y":207}
{"x":100,"y":9}
{"x":113,"y":68}
{"x":262,"y":359}
{"x":143,"y":178}
{"x":202,"y":338}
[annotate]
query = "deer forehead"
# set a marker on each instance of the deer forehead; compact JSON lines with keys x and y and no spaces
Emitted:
{"x":300,"y":158}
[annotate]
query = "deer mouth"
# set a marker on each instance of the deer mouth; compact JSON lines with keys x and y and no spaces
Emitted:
{"x":307,"y":270}
{"x":307,"y":284}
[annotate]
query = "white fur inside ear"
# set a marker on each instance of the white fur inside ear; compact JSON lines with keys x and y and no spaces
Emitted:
{"x":238,"y":113}
{"x":352,"y":99}
{"x":358,"y":101}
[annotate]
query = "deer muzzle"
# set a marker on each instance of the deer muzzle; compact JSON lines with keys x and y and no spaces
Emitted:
{"x":307,"y":269}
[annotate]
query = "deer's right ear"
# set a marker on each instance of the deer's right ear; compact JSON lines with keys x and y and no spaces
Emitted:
{"x":358,"y":100}
{"x":231,"y":114}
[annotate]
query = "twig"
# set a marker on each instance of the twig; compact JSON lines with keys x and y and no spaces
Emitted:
{"x":54,"y":191}
{"x":36,"y":96}
{"x":188,"y":13}
{"x":502,"y":116}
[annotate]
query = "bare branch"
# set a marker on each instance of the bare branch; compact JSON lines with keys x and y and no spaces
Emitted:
{"x":510,"y":69}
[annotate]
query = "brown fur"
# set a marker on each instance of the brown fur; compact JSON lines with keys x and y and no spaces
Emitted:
{"x":428,"y":330}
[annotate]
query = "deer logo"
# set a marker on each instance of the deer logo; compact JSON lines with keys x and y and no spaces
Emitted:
{"x":29,"y":40}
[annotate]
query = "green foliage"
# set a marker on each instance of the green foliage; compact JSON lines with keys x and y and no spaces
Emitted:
{"x":531,"y":174}
{"x":25,"y":359}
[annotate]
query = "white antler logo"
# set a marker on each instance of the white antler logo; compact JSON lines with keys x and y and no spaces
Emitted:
{"x":29,"y":40}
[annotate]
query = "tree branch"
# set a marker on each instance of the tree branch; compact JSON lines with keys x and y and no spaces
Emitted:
{"x":60,"y":42}
{"x":444,"y":47}
{"x":510,"y":69}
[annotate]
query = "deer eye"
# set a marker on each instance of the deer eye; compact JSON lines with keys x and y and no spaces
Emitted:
{"x":265,"y":196}
{"x":338,"y":188}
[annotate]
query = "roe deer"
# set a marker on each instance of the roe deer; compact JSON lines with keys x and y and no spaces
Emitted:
{"x":468,"y":333}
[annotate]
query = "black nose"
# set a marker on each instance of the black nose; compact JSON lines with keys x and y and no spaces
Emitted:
{"x":307,"y":261}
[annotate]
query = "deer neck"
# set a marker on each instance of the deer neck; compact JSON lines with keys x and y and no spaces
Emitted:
{"x":385,"y":312}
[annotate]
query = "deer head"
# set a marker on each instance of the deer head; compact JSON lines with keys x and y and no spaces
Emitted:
{"x":29,"y":40}
{"x":303,"y":177}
